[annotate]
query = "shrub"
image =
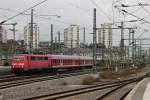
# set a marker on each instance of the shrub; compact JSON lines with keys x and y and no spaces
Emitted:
{"x":89,"y":80}
{"x":6,"y":63}
{"x":64,"y":83}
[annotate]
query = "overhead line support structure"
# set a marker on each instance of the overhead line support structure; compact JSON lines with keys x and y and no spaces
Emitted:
{"x":94,"y":38}
{"x":14,"y":35}
{"x":94,"y":41}
{"x":84,"y":41}
{"x":51,"y":38}
{"x":31,"y":34}
{"x":122,"y":51}
{"x":59,"y":44}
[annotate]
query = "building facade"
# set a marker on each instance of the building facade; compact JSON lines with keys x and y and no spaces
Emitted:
{"x":105,"y":35}
{"x":31,"y":40}
{"x":3,"y":34}
{"x":71,"y":36}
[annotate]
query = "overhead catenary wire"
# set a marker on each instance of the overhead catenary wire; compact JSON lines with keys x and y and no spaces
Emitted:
{"x":100,"y":9}
{"x":42,"y":16}
{"x":131,"y":13}
{"x":37,"y":4}
{"x":141,"y":19}
{"x":36,"y":15}
{"x":146,"y":10}
{"x":78,"y":7}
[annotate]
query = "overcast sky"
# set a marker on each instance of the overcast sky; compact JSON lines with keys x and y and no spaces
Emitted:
{"x":78,"y":12}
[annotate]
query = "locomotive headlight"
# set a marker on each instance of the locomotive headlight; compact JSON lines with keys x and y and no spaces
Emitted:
{"x":21,"y":64}
{"x":13,"y":64}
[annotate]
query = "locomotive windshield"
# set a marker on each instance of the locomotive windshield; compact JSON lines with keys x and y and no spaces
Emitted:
{"x":19,"y":57}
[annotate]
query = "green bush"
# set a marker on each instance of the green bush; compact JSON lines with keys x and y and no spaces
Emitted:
{"x":103,"y":63}
{"x":6,"y":63}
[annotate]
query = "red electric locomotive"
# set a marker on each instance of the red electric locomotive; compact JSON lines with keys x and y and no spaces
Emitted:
{"x":25,"y":62}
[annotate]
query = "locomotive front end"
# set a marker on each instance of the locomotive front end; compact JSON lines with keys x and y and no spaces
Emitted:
{"x":18,"y":63}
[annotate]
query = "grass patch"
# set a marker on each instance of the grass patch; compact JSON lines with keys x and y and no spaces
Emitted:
{"x":121,"y":73}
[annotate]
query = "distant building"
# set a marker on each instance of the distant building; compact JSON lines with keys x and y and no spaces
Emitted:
{"x":71,"y":36}
{"x":44,"y":45}
{"x":20,"y":42}
{"x":105,"y":35}
{"x":31,"y":41}
{"x":3,"y":34}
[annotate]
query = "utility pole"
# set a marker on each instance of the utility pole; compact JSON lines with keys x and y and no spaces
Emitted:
{"x":59,"y":41}
{"x":71,"y":41}
{"x":51,"y":38}
{"x":135,"y":52}
{"x":140,"y":50}
{"x":129,"y":43}
{"x":55,"y":45}
{"x":122,"y":43}
{"x":94,"y":41}
{"x":14,"y":37}
{"x":31,"y":34}
{"x":133,"y":48}
{"x":84,"y":41}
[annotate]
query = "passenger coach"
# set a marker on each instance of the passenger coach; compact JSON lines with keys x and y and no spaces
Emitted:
{"x":25,"y":62}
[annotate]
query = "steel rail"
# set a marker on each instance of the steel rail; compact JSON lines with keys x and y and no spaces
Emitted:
{"x":83,"y":90}
{"x":123,"y":85}
{"x":69,"y":93}
{"x":39,"y":79}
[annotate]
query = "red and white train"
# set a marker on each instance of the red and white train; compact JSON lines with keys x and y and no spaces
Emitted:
{"x":25,"y":62}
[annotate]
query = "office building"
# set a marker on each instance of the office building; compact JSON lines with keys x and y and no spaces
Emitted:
{"x":105,"y":35}
{"x":3,"y":34}
{"x":71,"y":36}
{"x":31,"y":40}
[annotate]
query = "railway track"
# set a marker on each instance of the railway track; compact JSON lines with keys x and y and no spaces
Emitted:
{"x":24,"y":81}
{"x":7,"y":75}
{"x":14,"y":77}
{"x":4,"y":72}
{"x":124,"y":92}
{"x":64,"y":94}
{"x":109,"y":93}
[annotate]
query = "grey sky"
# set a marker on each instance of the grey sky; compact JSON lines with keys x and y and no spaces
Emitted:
{"x":72,"y":12}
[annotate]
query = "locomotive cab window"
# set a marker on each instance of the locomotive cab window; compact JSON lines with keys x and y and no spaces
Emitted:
{"x":19,"y":57}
